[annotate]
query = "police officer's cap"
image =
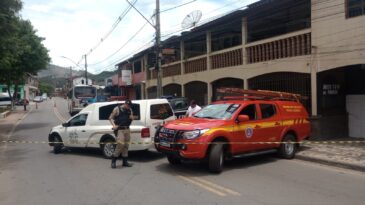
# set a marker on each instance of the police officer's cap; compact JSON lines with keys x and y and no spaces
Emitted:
{"x":128,"y":102}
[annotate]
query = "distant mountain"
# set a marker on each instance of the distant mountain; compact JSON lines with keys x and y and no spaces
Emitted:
{"x":59,"y":72}
{"x":57,"y":75}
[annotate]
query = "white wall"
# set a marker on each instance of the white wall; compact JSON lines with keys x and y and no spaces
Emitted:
{"x":355,"y":106}
{"x":78,"y":81}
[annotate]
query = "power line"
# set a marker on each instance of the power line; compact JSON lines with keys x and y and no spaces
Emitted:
{"x":120,"y":48}
{"x":119,"y":19}
{"x":178,"y":6}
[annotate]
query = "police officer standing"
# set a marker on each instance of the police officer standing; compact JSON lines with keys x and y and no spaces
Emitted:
{"x":121,"y":118}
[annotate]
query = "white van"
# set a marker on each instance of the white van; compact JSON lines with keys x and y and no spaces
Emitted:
{"x":91,"y":127}
{"x":5,"y":99}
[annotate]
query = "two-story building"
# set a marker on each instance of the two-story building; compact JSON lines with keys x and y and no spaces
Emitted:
{"x":315,"y":48}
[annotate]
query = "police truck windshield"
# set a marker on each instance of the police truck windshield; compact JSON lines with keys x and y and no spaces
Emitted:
{"x":85,"y":92}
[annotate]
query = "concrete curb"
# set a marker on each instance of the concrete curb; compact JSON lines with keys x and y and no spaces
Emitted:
{"x":331,"y":163}
{"x":4,"y":114}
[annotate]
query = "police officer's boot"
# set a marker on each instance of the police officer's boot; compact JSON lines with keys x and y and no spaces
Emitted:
{"x":114,"y":161}
{"x":126,"y":163}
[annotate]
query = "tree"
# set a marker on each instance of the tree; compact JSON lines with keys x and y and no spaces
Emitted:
{"x":21,"y":50}
{"x":46,"y":88}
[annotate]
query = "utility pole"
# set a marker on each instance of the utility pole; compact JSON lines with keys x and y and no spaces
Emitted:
{"x":71,"y":83}
{"x":158,"y":50}
{"x":86,"y":69}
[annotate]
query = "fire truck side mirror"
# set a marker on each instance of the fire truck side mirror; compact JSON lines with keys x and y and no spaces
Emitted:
{"x":243,"y":118}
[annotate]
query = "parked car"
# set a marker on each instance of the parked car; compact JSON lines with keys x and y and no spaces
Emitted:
{"x":22,"y":102}
{"x":236,"y":128}
{"x":90,"y":128}
{"x":38,"y":99}
{"x":5,"y":100}
{"x":179,"y":104}
{"x":44,"y":96}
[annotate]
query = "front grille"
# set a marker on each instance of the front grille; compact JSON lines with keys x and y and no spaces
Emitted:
{"x":169,"y":135}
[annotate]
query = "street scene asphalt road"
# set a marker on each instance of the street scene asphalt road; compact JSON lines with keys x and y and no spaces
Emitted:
{"x":31,"y":174}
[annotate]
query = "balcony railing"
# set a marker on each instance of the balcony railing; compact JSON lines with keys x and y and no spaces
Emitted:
{"x":227,"y":59}
{"x":171,"y":70}
{"x":196,"y":65}
{"x":297,"y":45}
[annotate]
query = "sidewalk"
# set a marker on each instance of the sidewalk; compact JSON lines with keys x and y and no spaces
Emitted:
{"x":346,"y":155}
{"x":7,"y":124}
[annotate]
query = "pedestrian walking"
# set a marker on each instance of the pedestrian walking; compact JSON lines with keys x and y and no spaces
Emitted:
{"x":121,"y":118}
{"x":193,"y":108}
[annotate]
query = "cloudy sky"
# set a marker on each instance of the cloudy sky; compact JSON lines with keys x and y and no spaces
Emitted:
{"x":73,"y":27}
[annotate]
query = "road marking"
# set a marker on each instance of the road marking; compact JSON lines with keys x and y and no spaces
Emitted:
{"x":58,"y":115}
{"x":216,"y":186}
{"x":202,"y":185}
{"x":209,"y":186}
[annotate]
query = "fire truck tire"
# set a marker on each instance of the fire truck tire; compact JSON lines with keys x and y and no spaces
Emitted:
{"x":216,"y":158}
{"x":173,"y":160}
{"x":288,"y":148}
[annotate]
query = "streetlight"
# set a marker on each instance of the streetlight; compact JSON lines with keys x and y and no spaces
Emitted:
{"x":78,"y":66}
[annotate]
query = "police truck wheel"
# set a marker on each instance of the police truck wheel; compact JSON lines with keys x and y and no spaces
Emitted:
{"x":57,"y":145}
{"x":107,"y":148}
{"x":216,"y":158}
{"x":288,"y":148}
{"x":173,"y":159}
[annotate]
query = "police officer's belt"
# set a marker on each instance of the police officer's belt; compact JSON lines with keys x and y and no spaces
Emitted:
{"x":123,"y":127}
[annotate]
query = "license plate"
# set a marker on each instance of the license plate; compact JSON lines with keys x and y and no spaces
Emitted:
{"x":165,"y":144}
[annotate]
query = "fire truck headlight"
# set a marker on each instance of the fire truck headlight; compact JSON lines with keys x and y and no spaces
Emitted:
{"x":193,"y":134}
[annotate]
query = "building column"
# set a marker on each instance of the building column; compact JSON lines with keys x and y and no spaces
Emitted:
{"x":182,"y":90}
{"x":209,"y":50}
{"x":209,"y":92}
{"x":244,"y":40}
{"x":245,"y":84}
{"x":182,"y":57}
{"x":314,"y":68}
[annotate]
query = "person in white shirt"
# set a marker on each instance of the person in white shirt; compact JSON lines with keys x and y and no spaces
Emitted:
{"x":193,"y":108}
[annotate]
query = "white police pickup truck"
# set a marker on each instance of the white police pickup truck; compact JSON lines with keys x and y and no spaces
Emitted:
{"x":90,"y":128}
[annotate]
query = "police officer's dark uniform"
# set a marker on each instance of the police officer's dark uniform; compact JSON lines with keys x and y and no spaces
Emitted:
{"x":121,"y":118}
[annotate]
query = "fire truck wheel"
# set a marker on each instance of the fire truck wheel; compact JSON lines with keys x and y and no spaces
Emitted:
{"x":173,"y":159}
{"x":216,"y":158}
{"x":288,"y":147}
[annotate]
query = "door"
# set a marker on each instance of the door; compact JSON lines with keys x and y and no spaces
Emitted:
{"x":246,"y":135}
{"x":270,"y":126}
{"x":158,"y":114}
{"x":74,"y":130}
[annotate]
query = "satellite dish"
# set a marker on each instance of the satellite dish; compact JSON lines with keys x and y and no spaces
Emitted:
{"x":191,"y":19}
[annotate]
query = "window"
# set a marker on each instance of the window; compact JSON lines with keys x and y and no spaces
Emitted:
{"x":179,"y":104}
{"x":85,"y":92}
{"x":250,"y":110}
{"x":355,"y":8}
{"x":267,"y":110}
{"x":5,"y":90}
{"x":161,"y":111}
{"x":217,"y":111}
{"x":105,"y":111}
{"x":137,"y":67}
{"x":79,"y":120}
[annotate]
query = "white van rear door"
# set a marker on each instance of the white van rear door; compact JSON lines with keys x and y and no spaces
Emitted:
{"x":158,"y":113}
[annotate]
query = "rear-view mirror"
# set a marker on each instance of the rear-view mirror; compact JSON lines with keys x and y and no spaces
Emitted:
{"x":65,"y":124}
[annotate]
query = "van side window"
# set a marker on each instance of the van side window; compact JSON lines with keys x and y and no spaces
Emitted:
{"x":267,"y":110}
{"x":105,"y":111}
{"x":161,"y":111}
{"x":250,"y":110}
